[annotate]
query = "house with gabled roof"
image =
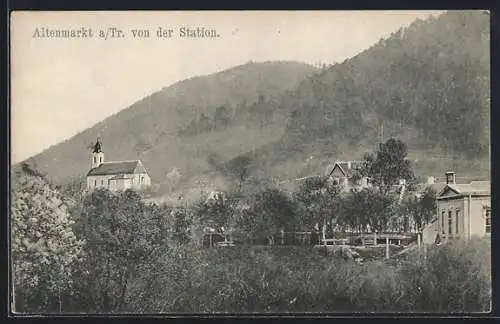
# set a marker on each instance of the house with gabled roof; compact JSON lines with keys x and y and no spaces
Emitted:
{"x":116,"y":175}
{"x":464,"y":210}
{"x":341,"y":172}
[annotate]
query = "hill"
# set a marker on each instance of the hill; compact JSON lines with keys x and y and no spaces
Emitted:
{"x":427,"y":84}
{"x":151,"y":129}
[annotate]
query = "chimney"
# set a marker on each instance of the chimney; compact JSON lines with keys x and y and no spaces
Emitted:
{"x":450,"y":177}
{"x":431,"y":180}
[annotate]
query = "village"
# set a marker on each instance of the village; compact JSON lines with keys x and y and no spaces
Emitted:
{"x":462,"y":210}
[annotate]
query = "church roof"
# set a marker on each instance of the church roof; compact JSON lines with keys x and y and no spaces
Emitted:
{"x":118,"y":167}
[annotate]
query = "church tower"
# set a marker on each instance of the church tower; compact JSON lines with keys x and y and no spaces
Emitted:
{"x":97,"y":155}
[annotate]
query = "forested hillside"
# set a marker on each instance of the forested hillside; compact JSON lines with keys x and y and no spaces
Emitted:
{"x":149,"y":129}
{"x":427,"y":84}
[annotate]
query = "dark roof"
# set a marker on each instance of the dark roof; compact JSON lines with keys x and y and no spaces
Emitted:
{"x":437,"y":187}
{"x":118,"y":167}
{"x":346,"y":166}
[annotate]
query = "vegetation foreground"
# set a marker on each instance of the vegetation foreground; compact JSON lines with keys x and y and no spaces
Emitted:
{"x":453,"y":278}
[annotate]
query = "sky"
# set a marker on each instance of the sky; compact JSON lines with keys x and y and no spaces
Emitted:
{"x":60,"y":86}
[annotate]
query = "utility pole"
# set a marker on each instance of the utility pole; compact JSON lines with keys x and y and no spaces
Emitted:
{"x":382,"y":133}
{"x":387,"y":247}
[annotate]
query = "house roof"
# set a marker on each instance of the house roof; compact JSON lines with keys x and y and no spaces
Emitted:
{"x":475,"y":188}
{"x":345,"y":167}
{"x":437,"y":187}
{"x":118,"y":167}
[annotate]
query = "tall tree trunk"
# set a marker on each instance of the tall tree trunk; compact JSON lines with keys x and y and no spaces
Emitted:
{"x":123,"y":290}
{"x":59,"y":301}
{"x":324,"y":232}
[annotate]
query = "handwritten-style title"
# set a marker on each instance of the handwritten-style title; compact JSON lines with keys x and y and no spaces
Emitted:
{"x":108,"y":33}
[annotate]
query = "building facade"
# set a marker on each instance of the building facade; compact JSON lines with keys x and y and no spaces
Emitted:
{"x":464,"y":210}
{"x":116,"y":175}
{"x":341,"y":172}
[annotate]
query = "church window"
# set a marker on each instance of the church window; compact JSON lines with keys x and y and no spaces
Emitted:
{"x":100,"y":159}
{"x":95,"y":159}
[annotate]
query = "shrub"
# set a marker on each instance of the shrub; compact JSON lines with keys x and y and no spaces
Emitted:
{"x":453,"y":278}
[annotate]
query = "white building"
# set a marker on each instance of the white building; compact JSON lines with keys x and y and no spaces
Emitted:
{"x":116,"y":175}
{"x":464,"y":210}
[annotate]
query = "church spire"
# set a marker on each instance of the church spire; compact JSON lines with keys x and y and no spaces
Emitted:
{"x":97,"y":147}
{"x":97,"y":154}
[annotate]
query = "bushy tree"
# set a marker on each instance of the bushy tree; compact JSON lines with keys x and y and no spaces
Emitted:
{"x":269,"y":212}
{"x":239,"y":167}
{"x":366,"y":209}
{"x":122,"y":234}
{"x":45,"y":251}
{"x":420,"y":209}
{"x":317,"y":202}
{"x":182,"y":221}
{"x":388,"y":165}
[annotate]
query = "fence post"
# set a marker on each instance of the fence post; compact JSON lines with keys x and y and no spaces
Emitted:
{"x":13,"y":296}
{"x":387,"y":247}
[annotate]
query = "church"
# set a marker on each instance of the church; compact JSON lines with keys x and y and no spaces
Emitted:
{"x":116,"y":175}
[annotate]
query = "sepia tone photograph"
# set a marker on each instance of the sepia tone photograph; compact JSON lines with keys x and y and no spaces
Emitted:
{"x":250,"y":162}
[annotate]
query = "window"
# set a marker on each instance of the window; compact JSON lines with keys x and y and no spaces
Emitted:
{"x":450,"y":221}
{"x":457,"y":216}
{"x":95,"y":159}
{"x":100,"y":159}
{"x":102,"y":182}
{"x":442,"y":221}
{"x":488,"y":220}
{"x":95,"y":183}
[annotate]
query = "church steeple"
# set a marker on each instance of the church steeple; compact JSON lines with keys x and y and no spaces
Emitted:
{"x":97,"y":154}
{"x":97,"y":147}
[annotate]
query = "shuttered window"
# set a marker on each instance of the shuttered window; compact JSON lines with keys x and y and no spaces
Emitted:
{"x":442,"y":221}
{"x":488,"y":220}
{"x":450,"y":222}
